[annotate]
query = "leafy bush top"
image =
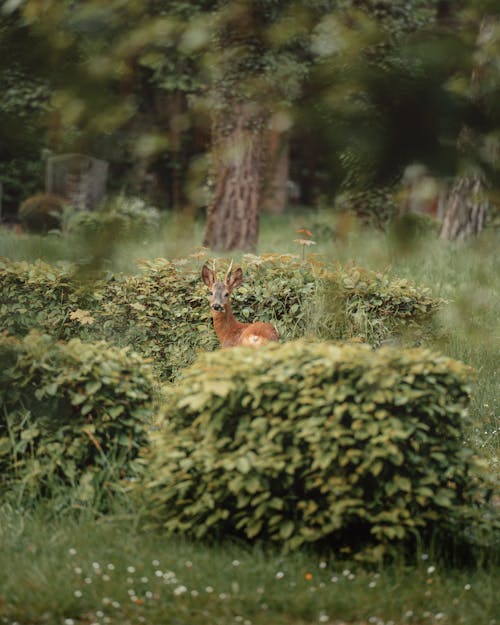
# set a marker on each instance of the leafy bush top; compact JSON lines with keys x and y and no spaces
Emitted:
{"x":73,"y":414}
{"x":315,"y":443}
{"x":123,"y":217}
{"x":163,"y":312}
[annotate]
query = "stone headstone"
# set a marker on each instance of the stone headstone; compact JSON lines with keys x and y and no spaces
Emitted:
{"x":78,"y":178}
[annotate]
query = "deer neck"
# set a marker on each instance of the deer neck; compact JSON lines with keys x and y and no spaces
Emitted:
{"x":226,"y":326}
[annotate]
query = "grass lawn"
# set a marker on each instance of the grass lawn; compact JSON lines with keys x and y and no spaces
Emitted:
{"x":73,"y":571}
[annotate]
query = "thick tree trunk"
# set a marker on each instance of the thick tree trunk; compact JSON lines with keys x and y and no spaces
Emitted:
{"x":233,"y":215}
{"x":465,"y":211}
{"x":277,"y":168}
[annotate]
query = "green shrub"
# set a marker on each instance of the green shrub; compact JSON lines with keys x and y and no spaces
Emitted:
{"x":374,"y":307}
{"x":42,"y":297}
{"x":375,"y":206}
{"x":42,"y":212}
{"x":121,"y":217}
{"x":341,"y":446}
{"x":73,"y":415}
{"x":163,"y":312}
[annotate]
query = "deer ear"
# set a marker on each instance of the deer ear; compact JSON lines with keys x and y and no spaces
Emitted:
{"x":208,"y":276}
{"x":235,"y":279}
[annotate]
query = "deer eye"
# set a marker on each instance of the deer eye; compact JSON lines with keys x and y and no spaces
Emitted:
{"x":226,"y":294}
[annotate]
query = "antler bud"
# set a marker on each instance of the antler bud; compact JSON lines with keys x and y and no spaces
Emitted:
{"x":229,"y":271}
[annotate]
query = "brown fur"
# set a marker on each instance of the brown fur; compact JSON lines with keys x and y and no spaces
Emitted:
{"x":229,"y":330}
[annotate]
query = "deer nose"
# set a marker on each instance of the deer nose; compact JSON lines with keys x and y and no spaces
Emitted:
{"x":217,"y":307}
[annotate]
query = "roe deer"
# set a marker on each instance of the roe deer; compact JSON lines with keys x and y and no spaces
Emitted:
{"x":229,"y":330}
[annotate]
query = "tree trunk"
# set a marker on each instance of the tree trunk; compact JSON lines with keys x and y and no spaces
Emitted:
{"x":467,"y":203}
{"x":465,"y":211}
{"x":277,"y":168}
{"x":233,"y":215}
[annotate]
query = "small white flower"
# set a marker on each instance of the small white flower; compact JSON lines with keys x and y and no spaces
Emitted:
{"x":155,"y":563}
{"x":77,"y":570}
{"x":115,"y":604}
{"x":322,"y":565}
{"x":110,"y":566}
{"x":467,"y":587}
{"x":105,"y":578}
{"x":88,"y":580}
{"x":144,"y":580}
{"x":72,"y":551}
{"x":431,"y":569}
{"x":189,"y":564}
{"x":334,"y":579}
{"x":148,"y":594}
{"x":372,"y":584}
{"x":280,"y":575}
{"x":194,"y":593}
{"x":159,"y":573}
{"x":69,"y":621}
{"x":209,"y":589}
{"x":180,"y":590}
{"x":235,"y":563}
{"x":130,"y":569}
{"x":78,"y":593}
{"x":96,"y":566}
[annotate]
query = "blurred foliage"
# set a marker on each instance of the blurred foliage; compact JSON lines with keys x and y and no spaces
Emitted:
{"x":164,"y":314}
{"x":73,"y":419}
{"x":356,"y":450}
{"x":364,"y":86}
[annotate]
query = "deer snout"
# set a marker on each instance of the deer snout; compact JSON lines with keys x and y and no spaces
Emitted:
{"x":218,"y":307}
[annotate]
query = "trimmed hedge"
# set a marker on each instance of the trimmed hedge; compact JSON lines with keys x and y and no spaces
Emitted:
{"x":163,"y":312}
{"x":373,"y":307}
{"x":39,"y":296}
{"x":340,"y":446}
{"x":73,"y":418}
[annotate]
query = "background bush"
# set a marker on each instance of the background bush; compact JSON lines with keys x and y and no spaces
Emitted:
{"x":163,"y":311}
{"x":123,"y":217}
{"x":341,"y":446}
{"x":42,"y":212}
{"x":73,"y":418}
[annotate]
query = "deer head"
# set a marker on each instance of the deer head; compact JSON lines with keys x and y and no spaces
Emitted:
{"x":220,"y":292}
